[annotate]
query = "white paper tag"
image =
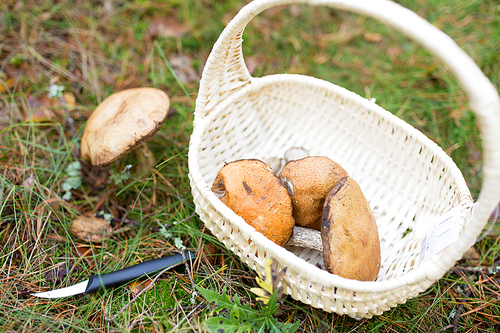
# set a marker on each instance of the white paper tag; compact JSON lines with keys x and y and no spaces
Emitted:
{"x":442,"y":233}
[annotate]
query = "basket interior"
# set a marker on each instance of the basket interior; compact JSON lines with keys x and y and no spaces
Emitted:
{"x":404,"y":175}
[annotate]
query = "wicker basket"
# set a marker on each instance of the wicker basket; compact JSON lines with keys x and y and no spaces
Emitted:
{"x":408,"y":180}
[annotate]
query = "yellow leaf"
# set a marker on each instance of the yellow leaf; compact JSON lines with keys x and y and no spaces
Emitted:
{"x":264,"y":300}
{"x":268,"y":282}
{"x":268,"y":276}
{"x":265,"y":285}
{"x":259,"y":292}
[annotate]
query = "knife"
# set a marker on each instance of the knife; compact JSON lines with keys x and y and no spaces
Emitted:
{"x":117,"y":278}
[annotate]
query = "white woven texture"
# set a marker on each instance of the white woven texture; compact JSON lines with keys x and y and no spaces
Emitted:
{"x":408,"y":180}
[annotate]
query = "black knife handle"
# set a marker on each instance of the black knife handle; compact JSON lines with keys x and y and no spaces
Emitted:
{"x":150,"y":268}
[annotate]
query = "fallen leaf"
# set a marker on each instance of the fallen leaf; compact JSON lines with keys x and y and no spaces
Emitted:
{"x":394,"y":51}
{"x":472,"y":255}
{"x":183,"y":67}
{"x":373,"y":37}
{"x":85,"y":251}
{"x":68,"y":98}
{"x":60,"y":271}
{"x":90,"y":228}
{"x":140,"y":285}
{"x":43,"y":108}
{"x":57,"y":238}
{"x":45,"y":16}
{"x":40,"y":108}
{"x":6,"y":85}
{"x":321,"y":58}
{"x":169,"y":26}
{"x":210,"y":253}
{"x":269,"y":281}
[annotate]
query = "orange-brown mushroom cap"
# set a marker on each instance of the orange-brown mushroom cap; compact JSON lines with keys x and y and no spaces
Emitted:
{"x":252,"y":190}
{"x":308,"y":181}
{"x":121,"y":122}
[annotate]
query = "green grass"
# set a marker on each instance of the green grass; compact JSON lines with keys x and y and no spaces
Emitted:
{"x":95,"y":51}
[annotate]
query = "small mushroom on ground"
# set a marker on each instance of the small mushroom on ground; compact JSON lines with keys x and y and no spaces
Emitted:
{"x":308,"y":181}
{"x":252,"y":190}
{"x":122,"y":123}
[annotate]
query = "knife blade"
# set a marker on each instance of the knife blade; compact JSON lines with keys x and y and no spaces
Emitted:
{"x":117,"y":278}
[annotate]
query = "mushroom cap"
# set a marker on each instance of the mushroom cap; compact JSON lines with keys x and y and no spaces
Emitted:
{"x":121,"y":122}
{"x":351,"y":245}
{"x":308,"y":181}
{"x":252,"y":190}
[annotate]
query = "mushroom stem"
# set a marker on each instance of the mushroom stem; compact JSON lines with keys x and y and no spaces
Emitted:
{"x":295,"y":153}
{"x":307,"y":238}
{"x":145,"y":159}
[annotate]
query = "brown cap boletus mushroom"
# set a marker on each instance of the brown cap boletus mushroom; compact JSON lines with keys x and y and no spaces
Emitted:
{"x":121,"y":123}
{"x":308,"y":181}
{"x":252,"y":190}
{"x":351,"y":245}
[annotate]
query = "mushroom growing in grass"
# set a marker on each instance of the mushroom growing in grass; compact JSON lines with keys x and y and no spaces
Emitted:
{"x":122,"y":123}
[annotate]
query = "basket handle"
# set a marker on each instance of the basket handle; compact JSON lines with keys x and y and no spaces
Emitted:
{"x":225,"y":72}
